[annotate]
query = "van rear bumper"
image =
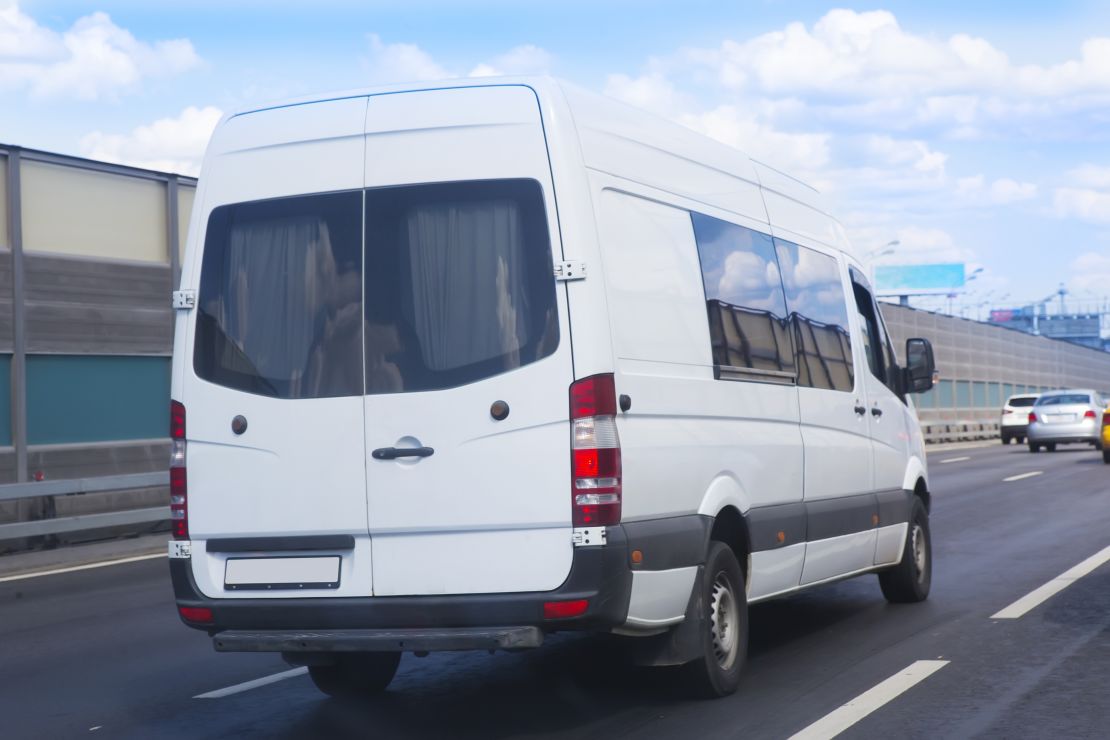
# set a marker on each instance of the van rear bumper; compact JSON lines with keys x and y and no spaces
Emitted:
{"x":600,"y":575}
{"x":369,"y":641}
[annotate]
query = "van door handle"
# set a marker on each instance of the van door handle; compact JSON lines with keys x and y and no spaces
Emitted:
{"x":861,"y":410}
{"x":876,"y":411}
{"x":392,"y":453}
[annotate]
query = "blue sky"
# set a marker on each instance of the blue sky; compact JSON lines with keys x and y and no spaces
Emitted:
{"x":976,"y":132}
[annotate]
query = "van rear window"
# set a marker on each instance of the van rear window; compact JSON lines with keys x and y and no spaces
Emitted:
{"x":279,"y":310}
{"x":459,"y":283}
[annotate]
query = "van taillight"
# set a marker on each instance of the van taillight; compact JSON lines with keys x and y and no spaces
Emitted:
{"x":1032,"y":417}
{"x":595,"y":453}
{"x":179,"y":511}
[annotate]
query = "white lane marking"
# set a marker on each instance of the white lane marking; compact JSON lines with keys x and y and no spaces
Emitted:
{"x":248,"y":685}
{"x":955,"y":459}
{"x":839,"y":720}
{"x":1039,"y":595}
{"x":86,"y":566}
{"x":1022,"y":476}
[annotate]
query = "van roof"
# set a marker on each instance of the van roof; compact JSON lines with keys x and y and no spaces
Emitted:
{"x":591,"y":110}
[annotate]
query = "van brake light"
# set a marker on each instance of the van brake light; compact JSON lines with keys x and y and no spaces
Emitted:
{"x":595,"y":452}
{"x":179,"y":510}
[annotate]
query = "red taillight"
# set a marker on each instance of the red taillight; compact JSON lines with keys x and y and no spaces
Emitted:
{"x":195,"y":614}
{"x":595,"y":453}
{"x":1089,"y":414}
{"x":179,"y":511}
{"x":564,"y":609}
{"x":1106,"y":418}
{"x":1032,"y":417}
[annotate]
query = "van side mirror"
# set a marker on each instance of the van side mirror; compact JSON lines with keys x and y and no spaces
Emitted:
{"x":920,"y":370}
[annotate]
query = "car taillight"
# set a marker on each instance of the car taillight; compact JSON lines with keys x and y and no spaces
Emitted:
{"x":595,"y":453}
{"x":1032,"y":417}
{"x":179,"y":511}
{"x":1089,"y":414}
{"x":1106,"y":418}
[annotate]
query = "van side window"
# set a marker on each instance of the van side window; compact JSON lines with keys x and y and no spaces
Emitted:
{"x":280,"y":297}
{"x":459,"y":283}
{"x":818,"y":317}
{"x":880,"y":356}
{"x":748,"y":324}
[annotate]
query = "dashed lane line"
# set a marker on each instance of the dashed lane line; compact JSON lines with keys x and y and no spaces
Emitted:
{"x":1042,"y":594}
{"x":248,"y":685}
{"x":839,"y":720}
{"x":86,"y":566}
{"x":1022,"y":476}
{"x":955,"y":459}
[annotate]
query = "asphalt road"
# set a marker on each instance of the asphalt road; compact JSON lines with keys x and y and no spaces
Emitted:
{"x":101,"y":652}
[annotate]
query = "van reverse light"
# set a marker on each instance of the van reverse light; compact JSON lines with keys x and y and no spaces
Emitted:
{"x":595,"y":453}
{"x":565,"y":609}
{"x":179,"y":509}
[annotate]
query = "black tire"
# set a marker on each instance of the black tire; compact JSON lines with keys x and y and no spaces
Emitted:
{"x":1021,"y":440}
{"x":725,"y":635}
{"x":909,"y":581}
{"x":1005,"y":439}
{"x":1106,"y":456}
{"x":1051,"y":447}
{"x":356,"y":676}
{"x":1034,"y":447}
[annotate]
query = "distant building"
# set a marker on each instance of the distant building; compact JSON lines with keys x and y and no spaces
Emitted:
{"x":1084,"y":329}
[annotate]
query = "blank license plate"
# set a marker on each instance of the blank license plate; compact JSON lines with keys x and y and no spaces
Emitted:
{"x":1060,"y":418}
{"x":281,"y":573}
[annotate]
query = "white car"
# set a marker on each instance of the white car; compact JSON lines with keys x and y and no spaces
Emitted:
{"x":1015,"y":417}
{"x":462,"y":365}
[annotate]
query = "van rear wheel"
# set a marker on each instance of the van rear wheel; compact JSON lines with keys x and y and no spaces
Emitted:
{"x":356,"y":676}
{"x":909,"y":581}
{"x":724,"y":605}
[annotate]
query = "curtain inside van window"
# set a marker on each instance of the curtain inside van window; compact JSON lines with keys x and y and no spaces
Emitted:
{"x":280,"y":308}
{"x":459,"y":283}
{"x":469,"y":297}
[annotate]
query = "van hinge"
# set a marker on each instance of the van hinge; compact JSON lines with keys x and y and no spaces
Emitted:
{"x":570,"y":270}
{"x":184,"y":299}
{"x":588,"y":536}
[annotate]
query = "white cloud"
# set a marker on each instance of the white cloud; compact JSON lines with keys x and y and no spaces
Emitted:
{"x":402,"y":62}
{"x":170,"y":144}
{"x":521,"y":60}
{"x":651,"y":92}
{"x":975,"y":191}
{"x":93,"y":59}
{"x":1090,"y":272}
{"x":1091,"y":175}
{"x":1083,"y":203}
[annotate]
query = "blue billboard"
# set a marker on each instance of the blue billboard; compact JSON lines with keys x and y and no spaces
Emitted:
{"x":919,"y":279}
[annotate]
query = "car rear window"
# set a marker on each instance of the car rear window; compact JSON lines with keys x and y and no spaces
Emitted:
{"x":279,"y":310}
{"x":1020,"y":402}
{"x":1063,"y":399}
{"x":459,"y":283}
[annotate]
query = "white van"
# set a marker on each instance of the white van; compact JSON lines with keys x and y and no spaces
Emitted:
{"x":459,"y":366}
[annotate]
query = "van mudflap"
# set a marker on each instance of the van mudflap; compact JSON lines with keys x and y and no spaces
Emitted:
{"x":370,"y":640}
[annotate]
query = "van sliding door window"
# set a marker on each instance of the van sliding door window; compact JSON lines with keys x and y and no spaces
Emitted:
{"x":459,"y":283}
{"x":279,"y":311}
{"x":818,"y":317}
{"x":744,"y":299}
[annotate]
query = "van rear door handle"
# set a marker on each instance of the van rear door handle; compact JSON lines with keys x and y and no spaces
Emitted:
{"x":392,"y":453}
{"x":861,"y":410}
{"x":876,"y":411}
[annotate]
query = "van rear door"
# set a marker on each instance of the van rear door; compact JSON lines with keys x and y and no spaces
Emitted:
{"x":468,"y":360}
{"x":275,"y":341}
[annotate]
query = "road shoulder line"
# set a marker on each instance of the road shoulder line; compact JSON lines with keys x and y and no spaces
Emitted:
{"x":1039,"y":595}
{"x":86,"y":566}
{"x":840,"y":719}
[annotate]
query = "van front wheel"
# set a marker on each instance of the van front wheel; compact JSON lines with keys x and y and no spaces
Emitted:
{"x":909,"y":581}
{"x":724,"y":607}
{"x":356,"y":676}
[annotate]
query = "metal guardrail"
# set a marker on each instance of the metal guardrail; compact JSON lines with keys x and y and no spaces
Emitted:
{"x":959,"y":431}
{"x":78,"y":522}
